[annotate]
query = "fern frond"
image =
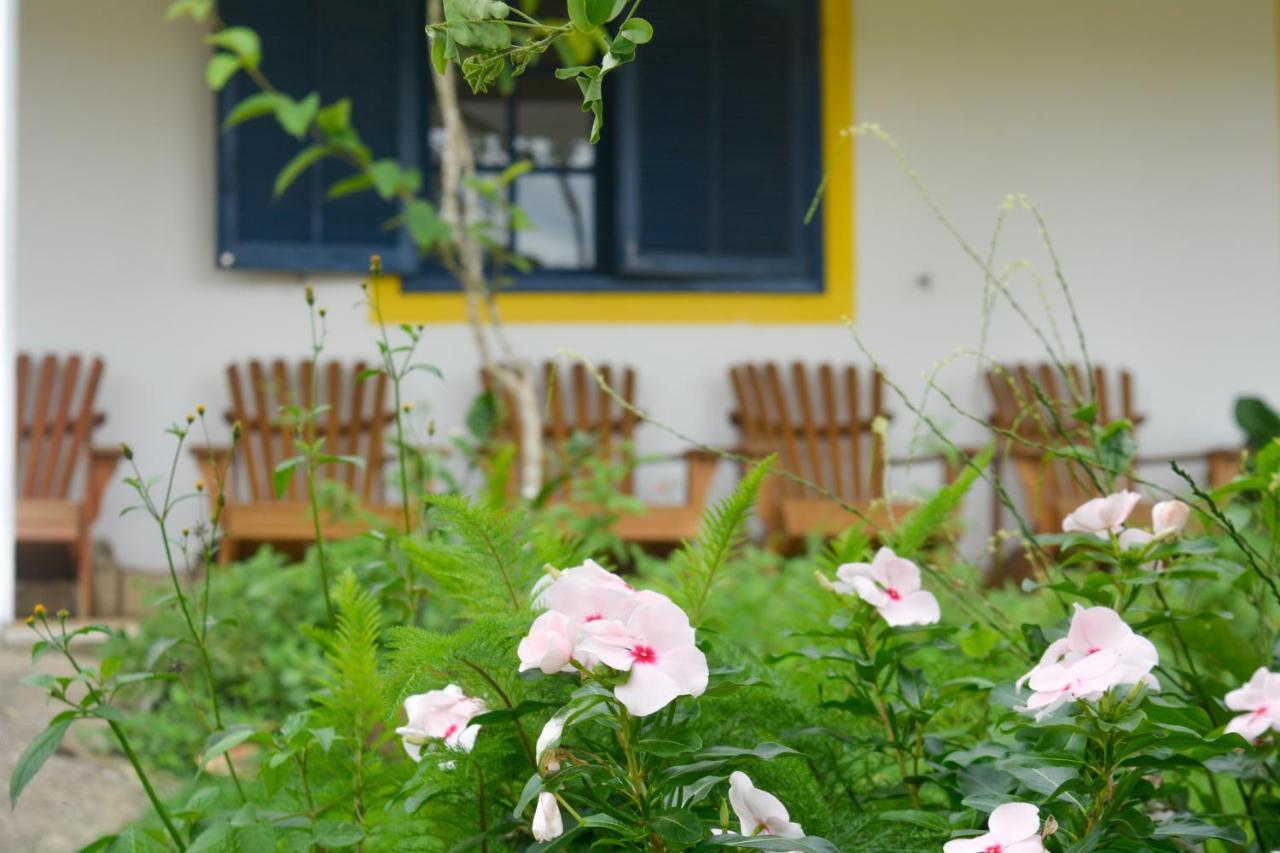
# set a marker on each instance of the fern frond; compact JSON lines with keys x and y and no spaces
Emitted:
{"x":851,"y":546}
{"x":479,"y":562}
{"x":351,"y":652}
{"x":924,"y":522}
{"x":700,"y":563}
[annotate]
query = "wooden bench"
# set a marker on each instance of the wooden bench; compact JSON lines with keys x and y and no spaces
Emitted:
{"x":56,"y":461}
{"x":573,"y":403}
{"x":353,"y":424}
{"x":820,"y":421}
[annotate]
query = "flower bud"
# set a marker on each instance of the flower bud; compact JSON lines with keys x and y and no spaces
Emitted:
{"x":126,"y":451}
{"x":31,"y":621}
{"x":375,"y":264}
{"x":200,"y":410}
{"x":199,"y":485}
{"x":63,"y":613}
{"x":236,"y":430}
{"x":39,"y":610}
{"x":406,"y":408}
{"x":311,"y":295}
{"x":322,"y":312}
{"x":190,"y":419}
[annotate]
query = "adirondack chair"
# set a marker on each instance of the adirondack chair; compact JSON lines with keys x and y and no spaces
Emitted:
{"x":1053,"y":486}
{"x":573,"y":403}
{"x":353,"y":425}
{"x":55,"y":424}
{"x":819,"y":422}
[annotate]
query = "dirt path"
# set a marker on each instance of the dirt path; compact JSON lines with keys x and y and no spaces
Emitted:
{"x":78,"y":796}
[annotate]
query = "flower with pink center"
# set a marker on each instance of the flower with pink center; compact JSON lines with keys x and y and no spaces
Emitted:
{"x":549,"y":644}
{"x":1102,"y":516}
{"x":1099,"y":652}
{"x":1011,"y":828}
{"x":1169,"y":517}
{"x":759,"y":812}
{"x":1259,"y":698}
{"x":442,"y":715}
{"x":891,"y":584}
{"x":656,"y":645}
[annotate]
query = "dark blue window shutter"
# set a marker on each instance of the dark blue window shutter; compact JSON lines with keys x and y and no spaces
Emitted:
{"x":371,"y":51}
{"x":719,"y":143}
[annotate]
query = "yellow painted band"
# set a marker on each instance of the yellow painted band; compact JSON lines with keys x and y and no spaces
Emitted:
{"x":836,"y":300}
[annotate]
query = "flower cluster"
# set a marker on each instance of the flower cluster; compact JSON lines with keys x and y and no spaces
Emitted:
{"x":1105,"y":516}
{"x":1012,"y":828}
{"x":1259,"y":698}
{"x":443,"y":715}
{"x":890,"y":584}
{"x":1099,"y":652}
{"x":593,"y":617}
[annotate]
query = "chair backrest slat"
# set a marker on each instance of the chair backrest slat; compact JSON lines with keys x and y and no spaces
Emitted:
{"x":353,"y":436}
{"x":285,"y":397}
{"x":817,"y":471}
{"x":814,"y":421}
{"x":604,"y":410}
{"x":54,"y":416}
{"x":44,"y":390}
{"x":354,"y":424}
{"x":66,"y":392}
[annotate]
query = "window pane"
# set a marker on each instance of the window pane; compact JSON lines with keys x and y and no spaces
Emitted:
{"x":551,"y":128}
{"x":562,"y":216}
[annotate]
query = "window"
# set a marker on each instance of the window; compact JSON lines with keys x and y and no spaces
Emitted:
{"x":710,"y":154}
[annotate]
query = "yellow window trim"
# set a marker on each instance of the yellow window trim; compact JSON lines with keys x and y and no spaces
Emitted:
{"x":835,"y":302}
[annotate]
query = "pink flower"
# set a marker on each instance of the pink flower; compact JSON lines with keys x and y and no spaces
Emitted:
{"x":1102,"y":516}
{"x":656,"y":645}
{"x":891,"y":584}
{"x":1260,"y":699}
{"x":549,"y":644}
{"x":547,"y":823}
{"x":1169,"y":517}
{"x":1012,"y":828}
{"x":589,"y":572}
{"x":440,"y":715}
{"x":1099,"y":652}
{"x":759,"y":812}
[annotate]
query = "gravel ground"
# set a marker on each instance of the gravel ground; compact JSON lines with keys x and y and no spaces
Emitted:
{"x":78,"y":796}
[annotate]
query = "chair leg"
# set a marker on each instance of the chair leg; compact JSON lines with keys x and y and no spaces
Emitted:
{"x":84,"y":577}
{"x":226,"y":550}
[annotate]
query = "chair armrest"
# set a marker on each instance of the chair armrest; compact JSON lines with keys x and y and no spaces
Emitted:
{"x":102,"y":464}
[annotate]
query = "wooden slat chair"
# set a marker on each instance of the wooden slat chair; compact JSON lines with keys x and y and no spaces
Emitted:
{"x":55,"y":460}
{"x":818,"y":420}
{"x":354,"y":425}
{"x":573,"y":403}
{"x":1052,"y":486}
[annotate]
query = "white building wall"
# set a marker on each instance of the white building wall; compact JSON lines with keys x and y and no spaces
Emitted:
{"x":1146,"y":133}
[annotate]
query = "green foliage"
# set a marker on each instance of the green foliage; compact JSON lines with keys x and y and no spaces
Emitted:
{"x":1260,"y":423}
{"x":700,"y":564}
{"x":937,"y":512}
{"x":351,"y":652}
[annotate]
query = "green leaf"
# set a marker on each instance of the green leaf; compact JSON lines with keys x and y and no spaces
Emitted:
{"x":477,"y":24}
{"x":296,"y":116}
{"x":917,"y":817}
{"x":42,"y":680}
{"x":336,"y":833}
{"x":335,"y":118}
{"x":241,"y":41}
{"x":219,"y":70}
{"x":251,"y":107}
{"x":301,"y":161}
{"x":385,"y":175}
{"x":282,"y":476}
{"x":638,"y":30}
{"x":157,"y":650}
{"x":110,"y":666}
{"x":324,"y":737}
{"x":359,"y":182}
{"x":37,"y":753}
{"x":197,"y":10}
{"x":680,"y":827}
{"x":808,"y":844}
{"x":221,"y":741}
{"x":425,"y":226}
{"x":1259,"y":421}
{"x":1187,"y":827}
{"x":439,"y":52}
{"x":586,"y":15}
